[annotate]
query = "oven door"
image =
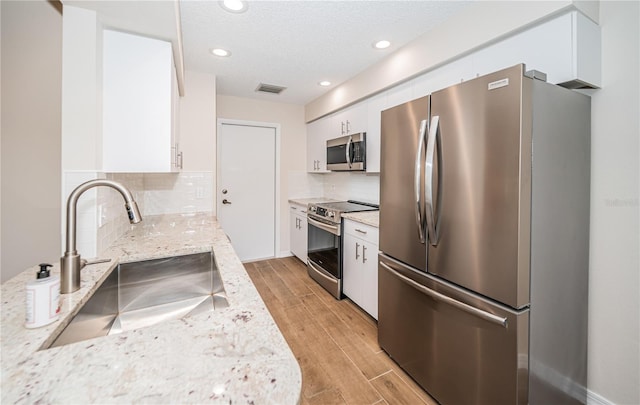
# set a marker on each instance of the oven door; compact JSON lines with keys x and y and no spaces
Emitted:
{"x":324,"y":252}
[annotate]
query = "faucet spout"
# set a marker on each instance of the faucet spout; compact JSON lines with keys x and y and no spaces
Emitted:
{"x":70,"y":263}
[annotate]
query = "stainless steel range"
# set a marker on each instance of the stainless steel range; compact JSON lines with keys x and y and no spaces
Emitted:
{"x":324,"y":246}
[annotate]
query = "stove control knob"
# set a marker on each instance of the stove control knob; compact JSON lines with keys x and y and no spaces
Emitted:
{"x":312,"y":209}
{"x":331,"y":215}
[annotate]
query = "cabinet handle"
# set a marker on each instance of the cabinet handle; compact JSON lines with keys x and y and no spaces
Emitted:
{"x":357,"y":246}
{"x":348,"y":126}
{"x":364,"y":252}
{"x":342,"y":128}
{"x":361,"y":231}
{"x":180,"y":159}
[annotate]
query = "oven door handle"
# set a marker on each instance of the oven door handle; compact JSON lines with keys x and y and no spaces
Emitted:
{"x":329,"y":228}
{"x":321,"y":272}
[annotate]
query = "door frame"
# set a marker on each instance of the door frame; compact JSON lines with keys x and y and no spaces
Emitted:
{"x":276,"y":127}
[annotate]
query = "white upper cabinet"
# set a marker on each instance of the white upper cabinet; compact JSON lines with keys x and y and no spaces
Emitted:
{"x":351,"y":120}
{"x":566,"y":48}
{"x":140,"y":105}
{"x":399,"y":94}
{"x":317,"y":133}
{"x":453,"y":73}
{"x":375,"y":105}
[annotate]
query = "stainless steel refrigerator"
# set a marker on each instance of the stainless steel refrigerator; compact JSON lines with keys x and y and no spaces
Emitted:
{"x":484,"y":239}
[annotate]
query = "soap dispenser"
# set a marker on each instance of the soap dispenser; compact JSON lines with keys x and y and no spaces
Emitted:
{"x":43,"y":298}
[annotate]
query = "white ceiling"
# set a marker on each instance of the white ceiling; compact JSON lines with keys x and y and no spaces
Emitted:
{"x":296,"y":44}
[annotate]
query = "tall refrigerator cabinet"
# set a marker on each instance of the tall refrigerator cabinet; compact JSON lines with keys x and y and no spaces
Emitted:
{"x":484,"y":240}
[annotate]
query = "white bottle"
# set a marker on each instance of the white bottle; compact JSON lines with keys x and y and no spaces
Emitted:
{"x":43,"y":299}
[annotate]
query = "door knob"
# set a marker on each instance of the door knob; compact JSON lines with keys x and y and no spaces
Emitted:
{"x":225,"y":201}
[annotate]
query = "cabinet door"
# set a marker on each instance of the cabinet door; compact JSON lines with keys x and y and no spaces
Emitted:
{"x":369,"y":274}
{"x":399,"y":94}
{"x":352,"y":268}
{"x":354,"y":119}
{"x":375,"y":105}
{"x":298,"y":232}
{"x":317,"y":135}
{"x":448,"y":75}
{"x":360,"y":273}
{"x":566,"y":48}
{"x":137,"y":104}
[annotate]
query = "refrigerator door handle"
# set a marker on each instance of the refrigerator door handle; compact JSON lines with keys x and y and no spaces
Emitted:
{"x":417,"y":183}
{"x":450,"y":301}
{"x":434,"y":141}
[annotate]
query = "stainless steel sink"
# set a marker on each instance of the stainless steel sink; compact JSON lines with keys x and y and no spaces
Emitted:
{"x":139,"y":294}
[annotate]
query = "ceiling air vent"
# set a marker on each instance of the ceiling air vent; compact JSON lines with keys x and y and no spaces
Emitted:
{"x":270,"y":88}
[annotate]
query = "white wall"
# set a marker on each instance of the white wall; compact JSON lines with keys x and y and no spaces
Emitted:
{"x":198,"y":122}
{"x":31,"y":87}
{"x":292,"y":142}
{"x":614,"y":302}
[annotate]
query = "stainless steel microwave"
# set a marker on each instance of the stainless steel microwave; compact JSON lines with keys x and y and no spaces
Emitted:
{"x":347,"y":153}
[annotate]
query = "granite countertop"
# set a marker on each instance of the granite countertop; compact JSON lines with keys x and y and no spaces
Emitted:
{"x":366,"y":217}
{"x":230,"y":355}
{"x":313,"y":200}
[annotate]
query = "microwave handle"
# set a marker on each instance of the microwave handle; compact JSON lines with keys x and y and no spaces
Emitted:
{"x":348,"y":151}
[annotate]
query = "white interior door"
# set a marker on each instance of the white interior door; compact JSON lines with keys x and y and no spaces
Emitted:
{"x":246,"y":188}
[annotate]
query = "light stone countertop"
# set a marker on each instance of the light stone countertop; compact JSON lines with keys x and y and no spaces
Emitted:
{"x":231,"y":355}
{"x":366,"y":217}
{"x":304,"y":201}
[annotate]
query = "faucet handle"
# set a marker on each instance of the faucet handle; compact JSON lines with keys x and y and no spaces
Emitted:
{"x":84,"y":262}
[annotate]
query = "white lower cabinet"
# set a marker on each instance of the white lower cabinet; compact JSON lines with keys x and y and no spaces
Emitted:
{"x":360,"y":268}
{"x":298,"y":231}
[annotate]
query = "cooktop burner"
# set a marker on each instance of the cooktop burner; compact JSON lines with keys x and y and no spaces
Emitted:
{"x":348,"y":206}
{"x":332,"y":211}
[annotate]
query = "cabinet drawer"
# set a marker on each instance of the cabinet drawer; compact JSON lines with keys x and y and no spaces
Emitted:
{"x":298,"y":209}
{"x":359,"y":230}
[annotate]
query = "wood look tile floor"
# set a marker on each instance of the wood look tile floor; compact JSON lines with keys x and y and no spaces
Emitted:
{"x":335,"y":342}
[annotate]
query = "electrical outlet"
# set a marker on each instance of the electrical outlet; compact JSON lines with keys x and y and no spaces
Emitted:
{"x":102,"y":215}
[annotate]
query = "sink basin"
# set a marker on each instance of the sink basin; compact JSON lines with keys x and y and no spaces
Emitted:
{"x":139,"y":294}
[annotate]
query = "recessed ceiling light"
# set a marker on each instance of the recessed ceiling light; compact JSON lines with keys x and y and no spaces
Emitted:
{"x":382,"y":44}
{"x":324,"y":83}
{"x":220,"y":52}
{"x":234,"y":6}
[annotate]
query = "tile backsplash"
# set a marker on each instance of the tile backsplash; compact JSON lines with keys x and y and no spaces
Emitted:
{"x":337,"y":185}
{"x":352,"y":186}
{"x":101,"y":217}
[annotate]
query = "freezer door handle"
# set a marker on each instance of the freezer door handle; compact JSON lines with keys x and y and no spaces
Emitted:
{"x":417,"y":183}
{"x":450,"y":301}
{"x":433,"y":219}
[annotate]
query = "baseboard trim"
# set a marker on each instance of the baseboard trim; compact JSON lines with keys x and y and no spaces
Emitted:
{"x":597,"y":399}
